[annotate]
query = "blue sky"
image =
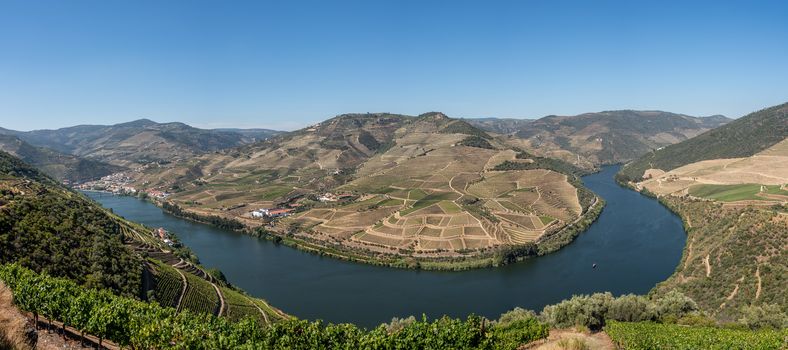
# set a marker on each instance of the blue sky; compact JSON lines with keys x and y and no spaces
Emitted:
{"x":286,"y":64}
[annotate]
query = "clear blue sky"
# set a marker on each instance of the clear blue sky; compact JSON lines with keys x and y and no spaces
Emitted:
{"x":285,"y":64}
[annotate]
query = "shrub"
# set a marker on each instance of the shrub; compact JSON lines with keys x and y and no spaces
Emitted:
{"x":584,"y":310}
{"x":630,"y":308}
{"x":764,"y":316}
{"x":514,"y":315}
{"x":673,"y":306}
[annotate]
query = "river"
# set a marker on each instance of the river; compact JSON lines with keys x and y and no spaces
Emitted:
{"x":636,"y":243}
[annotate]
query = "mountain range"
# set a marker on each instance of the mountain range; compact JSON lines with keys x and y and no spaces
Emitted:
{"x":608,"y":137}
{"x":138,"y":142}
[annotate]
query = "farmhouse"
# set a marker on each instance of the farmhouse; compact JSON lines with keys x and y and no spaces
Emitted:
{"x":275,"y":213}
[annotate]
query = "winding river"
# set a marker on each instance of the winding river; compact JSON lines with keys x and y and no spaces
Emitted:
{"x":636,"y":243}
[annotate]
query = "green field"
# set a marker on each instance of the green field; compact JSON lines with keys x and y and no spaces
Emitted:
{"x":647,"y":335}
{"x":449,"y":207}
{"x":727,"y":193}
{"x":546,"y":219}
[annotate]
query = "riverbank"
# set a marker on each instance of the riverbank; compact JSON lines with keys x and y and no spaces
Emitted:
{"x":635,"y":243}
{"x":496,"y":257}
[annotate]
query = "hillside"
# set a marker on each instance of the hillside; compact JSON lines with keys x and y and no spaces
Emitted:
{"x":729,"y":187}
{"x":499,"y":125}
{"x":591,"y":139}
{"x":139,"y":142}
{"x":389,"y":188}
{"x":49,"y":228}
{"x":742,"y":137}
{"x":61,"y":166}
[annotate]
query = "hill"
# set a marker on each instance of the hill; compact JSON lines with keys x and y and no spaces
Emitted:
{"x":139,"y":142}
{"x":61,"y":166}
{"x":609,"y":137}
{"x":49,"y":228}
{"x":729,"y":187}
{"x":387,"y":188}
{"x":742,"y":137}
{"x":499,"y":125}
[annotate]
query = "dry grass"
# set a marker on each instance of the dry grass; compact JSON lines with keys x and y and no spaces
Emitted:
{"x":769,"y":167}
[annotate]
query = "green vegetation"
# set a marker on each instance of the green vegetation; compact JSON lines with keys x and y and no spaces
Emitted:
{"x":144,"y":326}
{"x":555,"y":241}
{"x":45,"y":227}
{"x":553,"y":164}
{"x":732,"y":248}
{"x":428,"y":200}
{"x":649,"y":335}
{"x":449,"y":207}
{"x":169,"y":284}
{"x":462,"y":127}
{"x":369,"y":141}
{"x":726,"y":193}
{"x":200,"y":296}
{"x":546,"y":219}
{"x":611,"y":137}
{"x":218,"y":221}
{"x":476,"y":141}
{"x":742,"y":137}
{"x":58,"y":165}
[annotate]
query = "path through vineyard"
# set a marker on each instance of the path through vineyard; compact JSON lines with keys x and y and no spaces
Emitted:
{"x":181,"y":266}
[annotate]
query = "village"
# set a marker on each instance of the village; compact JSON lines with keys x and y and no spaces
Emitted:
{"x":120,"y":184}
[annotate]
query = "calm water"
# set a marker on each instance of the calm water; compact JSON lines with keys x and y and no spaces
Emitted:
{"x":635,"y":243}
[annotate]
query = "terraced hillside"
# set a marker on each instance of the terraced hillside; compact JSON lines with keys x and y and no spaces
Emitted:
{"x":423,"y":187}
{"x":729,"y":186}
{"x":744,"y":137}
{"x":47,"y":227}
{"x":746,"y":160}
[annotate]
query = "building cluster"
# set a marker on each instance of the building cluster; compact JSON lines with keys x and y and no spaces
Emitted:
{"x":331,"y":197}
{"x":163,"y":235}
{"x":272,"y":212}
{"x":118,"y":183}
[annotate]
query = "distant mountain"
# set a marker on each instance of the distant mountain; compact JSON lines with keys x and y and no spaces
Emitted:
{"x":58,"y":165}
{"x":140,"y":141}
{"x":499,"y":125}
{"x":742,"y":137}
{"x":613,"y":136}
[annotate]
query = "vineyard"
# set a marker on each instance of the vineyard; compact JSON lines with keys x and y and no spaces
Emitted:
{"x":140,"y":325}
{"x":648,"y":335}
{"x":200,"y":296}
{"x":169,"y":285}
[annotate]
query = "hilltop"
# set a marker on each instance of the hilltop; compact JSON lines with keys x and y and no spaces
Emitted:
{"x":387,"y":187}
{"x":608,"y":137}
{"x":139,"y":142}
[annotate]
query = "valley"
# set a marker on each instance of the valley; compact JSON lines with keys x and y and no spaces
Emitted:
{"x":427,"y":191}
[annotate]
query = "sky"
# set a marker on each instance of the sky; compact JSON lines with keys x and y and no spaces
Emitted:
{"x":287,"y":64}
